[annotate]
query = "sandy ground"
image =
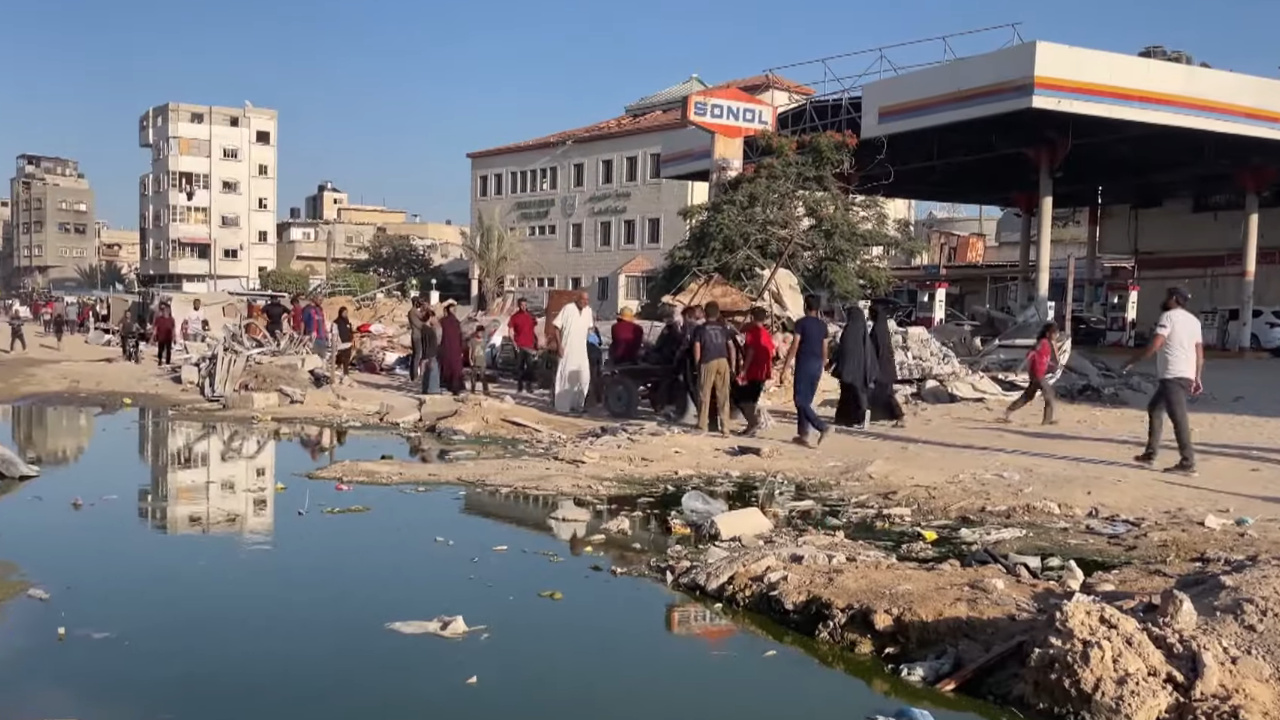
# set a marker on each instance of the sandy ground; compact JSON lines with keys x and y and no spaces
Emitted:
{"x":951,"y":463}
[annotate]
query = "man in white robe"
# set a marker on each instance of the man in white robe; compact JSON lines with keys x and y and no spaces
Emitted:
{"x":573,"y":374}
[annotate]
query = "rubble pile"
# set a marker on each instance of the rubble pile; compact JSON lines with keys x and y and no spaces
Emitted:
{"x":939,"y":375}
{"x":246,"y":367}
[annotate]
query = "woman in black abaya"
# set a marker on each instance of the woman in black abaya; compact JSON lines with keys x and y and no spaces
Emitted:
{"x":856,"y":369}
{"x":884,"y":404}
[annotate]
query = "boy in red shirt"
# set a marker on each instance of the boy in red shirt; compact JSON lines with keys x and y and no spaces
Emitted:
{"x":757,"y":369}
{"x":1038,"y":362}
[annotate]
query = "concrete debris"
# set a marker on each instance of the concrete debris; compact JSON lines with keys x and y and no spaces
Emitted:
{"x":1213,"y":522}
{"x":295,"y":395}
{"x":939,"y":375}
{"x":1177,"y":611}
{"x":928,"y":672}
{"x":618,"y":526}
{"x":740,"y":523}
{"x":1072,"y":577}
{"x":14,"y":467}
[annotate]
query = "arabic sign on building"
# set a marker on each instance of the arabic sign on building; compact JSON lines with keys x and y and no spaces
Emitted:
{"x":729,"y":112}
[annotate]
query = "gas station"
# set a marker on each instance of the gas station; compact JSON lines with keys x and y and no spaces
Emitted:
{"x":1037,"y":125}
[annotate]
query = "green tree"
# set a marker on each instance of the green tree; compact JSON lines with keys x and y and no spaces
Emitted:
{"x":360,"y":283}
{"x":394,"y":258}
{"x":800,"y":194}
{"x":103,"y":275}
{"x":285,"y":280}
{"x":494,"y":252}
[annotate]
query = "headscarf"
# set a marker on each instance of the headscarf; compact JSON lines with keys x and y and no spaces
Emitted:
{"x":882,"y":343}
{"x":852,"y":367}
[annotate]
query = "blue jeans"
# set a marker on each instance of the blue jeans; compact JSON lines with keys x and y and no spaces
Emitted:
{"x":804,"y":389}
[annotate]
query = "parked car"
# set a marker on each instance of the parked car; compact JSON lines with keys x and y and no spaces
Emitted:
{"x":1088,"y":330}
{"x":1264,"y":333}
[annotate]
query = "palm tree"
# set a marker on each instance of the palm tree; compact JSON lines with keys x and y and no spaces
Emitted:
{"x":103,"y":275}
{"x":494,"y":252}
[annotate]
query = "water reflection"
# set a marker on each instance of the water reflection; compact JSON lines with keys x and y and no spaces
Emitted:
{"x":51,"y":435}
{"x":563,"y":518}
{"x":693,"y":619}
{"x":207,"y":478}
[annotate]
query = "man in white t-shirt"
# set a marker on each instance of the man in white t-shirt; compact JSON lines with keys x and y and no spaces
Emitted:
{"x":1178,"y":345}
{"x":195,"y":322}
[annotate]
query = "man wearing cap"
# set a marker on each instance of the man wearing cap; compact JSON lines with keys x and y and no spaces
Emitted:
{"x":1178,"y":345}
{"x":626,"y":339}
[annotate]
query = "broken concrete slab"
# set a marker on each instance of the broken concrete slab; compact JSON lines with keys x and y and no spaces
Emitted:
{"x":294,"y":395}
{"x":740,"y":523}
{"x":251,"y":400}
{"x":189,"y":375}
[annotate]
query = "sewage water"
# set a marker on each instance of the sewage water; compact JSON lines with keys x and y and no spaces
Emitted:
{"x":192,"y":589}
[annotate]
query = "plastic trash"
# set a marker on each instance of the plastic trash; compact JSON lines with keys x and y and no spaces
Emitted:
{"x":445,"y":626}
{"x":699,"y":507}
{"x":38,"y":594}
{"x":906,"y":713}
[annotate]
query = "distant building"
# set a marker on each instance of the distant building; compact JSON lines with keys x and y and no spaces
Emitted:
{"x":120,"y":246}
{"x":52,"y":222}
{"x":51,"y":435}
{"x":332,"y":225}
{"x":207,"y":208}
{"x":6,"y":237}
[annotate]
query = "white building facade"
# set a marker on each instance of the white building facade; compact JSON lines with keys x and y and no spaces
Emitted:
{"x":207,"y":207}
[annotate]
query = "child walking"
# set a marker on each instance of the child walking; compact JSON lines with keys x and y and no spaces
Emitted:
{"x":476,"y":349}
{"x":1039,"y":361}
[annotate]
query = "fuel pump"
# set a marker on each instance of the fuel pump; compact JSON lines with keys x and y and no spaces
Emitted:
{"x":1122,"y":313}
{"x":931,"y":304}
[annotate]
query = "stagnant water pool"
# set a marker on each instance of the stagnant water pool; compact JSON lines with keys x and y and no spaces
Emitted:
{"x":190,"y":588}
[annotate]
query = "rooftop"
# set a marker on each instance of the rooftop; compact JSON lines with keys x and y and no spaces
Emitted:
{"x":662,"y":110}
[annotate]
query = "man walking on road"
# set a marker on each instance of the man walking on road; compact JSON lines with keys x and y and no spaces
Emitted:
{"x":1178,"y":345}
{"x":715,"y":355}
{"x":809,"y":353}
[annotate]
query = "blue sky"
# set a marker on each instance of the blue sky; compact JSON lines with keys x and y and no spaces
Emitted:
{"x":386,"y":97}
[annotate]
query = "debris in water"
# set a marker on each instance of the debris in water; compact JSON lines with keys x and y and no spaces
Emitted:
{"x":445,"y":626}
{"x":698,"y":507}
{"x":342,"y":487}
{"x":62,"y":633}
{"x":281,"y":487}
{"x":346,"y":510}
{"x":551,"y":594}
{"x":597,"y":538}
{"x":77,"y":503}
{"x":499,"y":548}
{"x":108,"y":498}
{"x":472,"y":680}
{"x":770,"y":653}
{"x":439,"y":539}
{"x":38,"y":594}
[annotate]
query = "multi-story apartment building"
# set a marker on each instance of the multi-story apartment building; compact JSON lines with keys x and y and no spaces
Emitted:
{"x":207,"y":208}
{"x":120,"y":246}
{"x":592,"y":203}
{"x":6,"y":238}
{"x":52,"y":222}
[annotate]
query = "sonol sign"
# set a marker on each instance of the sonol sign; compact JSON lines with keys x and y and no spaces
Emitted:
{"x":729,"y":112}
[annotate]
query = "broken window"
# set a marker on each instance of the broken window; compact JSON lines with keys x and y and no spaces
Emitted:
{"x":524,"y":181}
{"x":555,"y":178}
{"x":197,"y":118}
{"x":262,"y":137}
{"x":81,"y":228}
{"x":543,"y":181}
{"x":64,"y":228}
{"x":233,"y":121}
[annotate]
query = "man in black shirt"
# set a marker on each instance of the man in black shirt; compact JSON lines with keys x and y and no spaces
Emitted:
{"x":275,"y":312}
{"x":716,"y":355}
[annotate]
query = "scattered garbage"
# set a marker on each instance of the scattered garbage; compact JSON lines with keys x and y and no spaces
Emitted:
{"x":928,"y":672}
{"x":770,"y":653}
{"x":699,"y":507}
{"x":744,"y":522}
{"x":617,"y":526}
{"x":551,"y":594}
{"x":1244,"y":521}
{"x":342,"y":487}
{"x":988,"y":535}
{"x":445,"y":626}
{"x":346,"y":510}
{"x":1109,"y":528}
{"x":472,"y":680}
{"x":38,"y":594}
{"x":1213,"y":522}
{"x":62,"y":633}
{"x":77,"y":503}
{"x":499,"y":548}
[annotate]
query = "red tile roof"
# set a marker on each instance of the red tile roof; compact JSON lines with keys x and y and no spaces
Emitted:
{"x":636,"y":266}
{"x":759,"y":83}
{"x":615,"y":127}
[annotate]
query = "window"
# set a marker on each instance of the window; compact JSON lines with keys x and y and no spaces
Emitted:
{"x":631,"y":169}
{"x":575,"y":236}
{"x":229,"y":220}
{"x":197,"y":118}
{"x":64,"y":228}
{"x":81,"y":206}
{"x":482,"y":186}
{"x":62,"y":204}
{"x":606,"y":171}
{"x":264,"y":236}
{"x":262,"y":204}
{"x":38,"y":204}
{"x":602,"y":288}
{"x":37,"y":226}
{"x":188,"y":182}
{"x":524,"y":181}
{"x":233,"y":121}
{"x":578,"y":175}
{"x":262,"y":137}
{"x":655,"y":166}
{"x":26,"y":204}
{"x":189,"y":214}
{"x":79,"y":252}
{"x":637,"y":288}
{"x":604,"y":238}
{"x":576,"y":282}
{"x":264,"y":170}
{"x":512,"y":185}
{"x":543,"y":179}
{"x":81,"y":228}
{"x":497,"y":185}
{"x":230,"y":152}
{"x":26,"y":228}
{"x":64,"y":252}
{"x":653,"y":231}
{"x":542,"y":230}
{"x":230,"y":253}
{"x":144,"y":185}
{"x":351,"y":240}
{"x":542,"y":283}
{"x":629,"y":233}
{"x":231,"y":187}
{"x":555,"y":178}
{"x":38,"y":251}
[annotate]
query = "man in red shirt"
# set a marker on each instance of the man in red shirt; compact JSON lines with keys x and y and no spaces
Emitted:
{"x":524,"y":334}
{"x":626,"y":339}
{"x":1038,"y":362}
{"x":757,"y":368}
{"x":164,"y":334}
{"x":295,"y":314}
